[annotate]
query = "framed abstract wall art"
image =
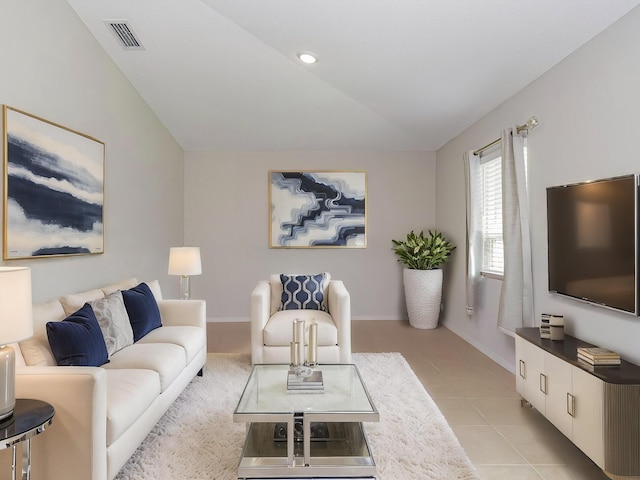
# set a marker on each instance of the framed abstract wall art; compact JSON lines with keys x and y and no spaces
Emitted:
{"x":317,"y":209}
{"x":53,"y":189}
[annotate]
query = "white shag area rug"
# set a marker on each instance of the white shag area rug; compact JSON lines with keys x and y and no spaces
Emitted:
{"x":196,"y":439}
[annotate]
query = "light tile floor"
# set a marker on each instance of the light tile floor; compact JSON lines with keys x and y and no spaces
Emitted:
{"x":476,"y":395}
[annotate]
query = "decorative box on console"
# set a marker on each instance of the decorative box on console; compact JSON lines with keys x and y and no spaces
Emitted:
{"x":552,"y":326}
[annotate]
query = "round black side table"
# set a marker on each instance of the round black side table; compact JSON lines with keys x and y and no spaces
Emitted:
{"x":30,"y":418}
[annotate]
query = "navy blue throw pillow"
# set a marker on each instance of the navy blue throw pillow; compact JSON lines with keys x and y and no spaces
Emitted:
{"x":142,"y":309}
{"x":77,"y":340}
{"x":303,"y":292}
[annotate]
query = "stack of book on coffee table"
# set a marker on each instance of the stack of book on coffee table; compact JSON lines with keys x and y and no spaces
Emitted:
{"x":305,"y":384}
{"x":598,"y":356}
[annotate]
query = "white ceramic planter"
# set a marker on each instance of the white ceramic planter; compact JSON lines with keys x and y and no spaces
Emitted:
{"x":423,"y":293}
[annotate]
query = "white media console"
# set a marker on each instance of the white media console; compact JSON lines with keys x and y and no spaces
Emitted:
{"x":598,"y":409}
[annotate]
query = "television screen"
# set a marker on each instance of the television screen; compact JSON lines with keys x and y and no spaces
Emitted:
{"x":592,"y":250}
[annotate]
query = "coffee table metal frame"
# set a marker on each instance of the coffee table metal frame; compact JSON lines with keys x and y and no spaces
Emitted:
{"x":345,"y":401}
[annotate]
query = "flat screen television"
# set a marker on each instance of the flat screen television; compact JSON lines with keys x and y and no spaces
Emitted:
{"x":592,"y":230}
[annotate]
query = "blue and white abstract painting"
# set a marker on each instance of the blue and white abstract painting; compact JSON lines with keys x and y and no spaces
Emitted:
{"x":55,"y":189}
{"x":318,"y":209}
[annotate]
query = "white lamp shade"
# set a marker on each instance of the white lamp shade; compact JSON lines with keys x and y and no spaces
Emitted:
{"x":16,"y":313}
{"x":185,"y":261}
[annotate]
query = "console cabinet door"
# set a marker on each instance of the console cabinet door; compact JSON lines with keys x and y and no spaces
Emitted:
{"x":588,"y":417}
{"x":531,"y":380}
{"x":560,"y":397}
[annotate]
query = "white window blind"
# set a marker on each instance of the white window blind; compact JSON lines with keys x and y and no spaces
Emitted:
{"x":492,"y":244}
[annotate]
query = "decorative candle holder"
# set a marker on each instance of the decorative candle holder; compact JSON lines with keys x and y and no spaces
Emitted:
{"x":298,"y":337}
{"x":295,"y":346}
{"x":298,"y":363}
{"x":312,"y":350}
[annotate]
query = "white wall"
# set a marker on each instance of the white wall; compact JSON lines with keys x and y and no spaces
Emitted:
{"x":227,"y":215}
{"x":588,"y":111}
{"x":53,"y":68}
{"x":587,"y":105}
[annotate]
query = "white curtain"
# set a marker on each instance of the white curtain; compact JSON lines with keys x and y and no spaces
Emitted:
{"x":516,"y":298}
{"x":474,"y":225}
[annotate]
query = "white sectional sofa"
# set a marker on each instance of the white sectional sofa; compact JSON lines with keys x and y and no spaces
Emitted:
{"x":103,"y":413}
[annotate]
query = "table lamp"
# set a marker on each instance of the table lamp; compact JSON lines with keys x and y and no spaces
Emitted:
{"x":185,"y":261}
{"x":16,"y":324}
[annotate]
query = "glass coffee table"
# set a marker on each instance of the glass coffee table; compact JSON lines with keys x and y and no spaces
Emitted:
{"x":304,"y":435}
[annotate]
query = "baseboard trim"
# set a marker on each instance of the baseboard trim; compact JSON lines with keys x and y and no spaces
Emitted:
{"x":228,"y":320}
{"x":246,"y":319}
{"x":488,"y":352}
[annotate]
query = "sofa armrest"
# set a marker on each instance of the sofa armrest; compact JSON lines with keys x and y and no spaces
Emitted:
{"x":260,"y":312}
{"x":340,"y":311}
{"x":183,"y":312}
{"x":74,"y":446}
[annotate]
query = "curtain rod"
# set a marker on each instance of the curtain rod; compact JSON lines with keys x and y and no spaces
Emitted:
{"x":529,"y":125}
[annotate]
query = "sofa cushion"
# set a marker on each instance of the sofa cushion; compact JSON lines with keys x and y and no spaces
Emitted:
{"x":275,"y":285}
{"x":166,"y":359}
{"x":143,"y":310}
{"x":303,"y":292}
{"x":114,"y":321}
{"x":36,"y":350}
{"x":74,"y":302}
{"x":279,"y":329}
{"x":78,"y":340}
{"x":189,"y":338}
{"x":129,"y":394}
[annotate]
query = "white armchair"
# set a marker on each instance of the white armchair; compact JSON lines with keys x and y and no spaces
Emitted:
{"x":272,"y":329}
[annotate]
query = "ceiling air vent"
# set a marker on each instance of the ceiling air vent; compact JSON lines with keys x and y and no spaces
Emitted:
{"x":123,"y":31}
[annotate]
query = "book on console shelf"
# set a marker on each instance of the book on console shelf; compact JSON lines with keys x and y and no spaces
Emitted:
{"x":605,"y":362}
{"x":591,"y":367}
{"x":597,"y":354}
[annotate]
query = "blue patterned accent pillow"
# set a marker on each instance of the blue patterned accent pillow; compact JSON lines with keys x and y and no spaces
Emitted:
{"x":303,"y":292}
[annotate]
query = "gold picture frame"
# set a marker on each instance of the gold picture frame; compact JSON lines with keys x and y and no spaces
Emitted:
{"x":317,"y":209}
{"x":53,"y":189}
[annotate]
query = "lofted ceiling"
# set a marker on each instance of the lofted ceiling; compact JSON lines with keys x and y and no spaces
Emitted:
{"x":222,"y":75}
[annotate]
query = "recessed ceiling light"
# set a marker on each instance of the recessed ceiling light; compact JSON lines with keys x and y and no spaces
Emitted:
{"x":307,"y":57}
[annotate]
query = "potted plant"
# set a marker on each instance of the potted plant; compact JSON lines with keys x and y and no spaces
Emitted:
{"x":423,"y":255}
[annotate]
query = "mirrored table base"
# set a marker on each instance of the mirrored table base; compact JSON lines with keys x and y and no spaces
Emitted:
{"x":333,"y":450}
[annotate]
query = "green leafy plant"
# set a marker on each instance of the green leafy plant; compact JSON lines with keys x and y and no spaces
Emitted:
{"x":423,"y":252}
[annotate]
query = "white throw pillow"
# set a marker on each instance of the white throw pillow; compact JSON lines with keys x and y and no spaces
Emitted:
{"x":74,"y":302}
{"x":123,"y":285}
{"x":154,"y":286}
{"x":114,"y":322}
{"x":36,"y":350}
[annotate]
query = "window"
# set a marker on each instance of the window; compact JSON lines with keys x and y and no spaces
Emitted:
{"x":491,"y":213}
